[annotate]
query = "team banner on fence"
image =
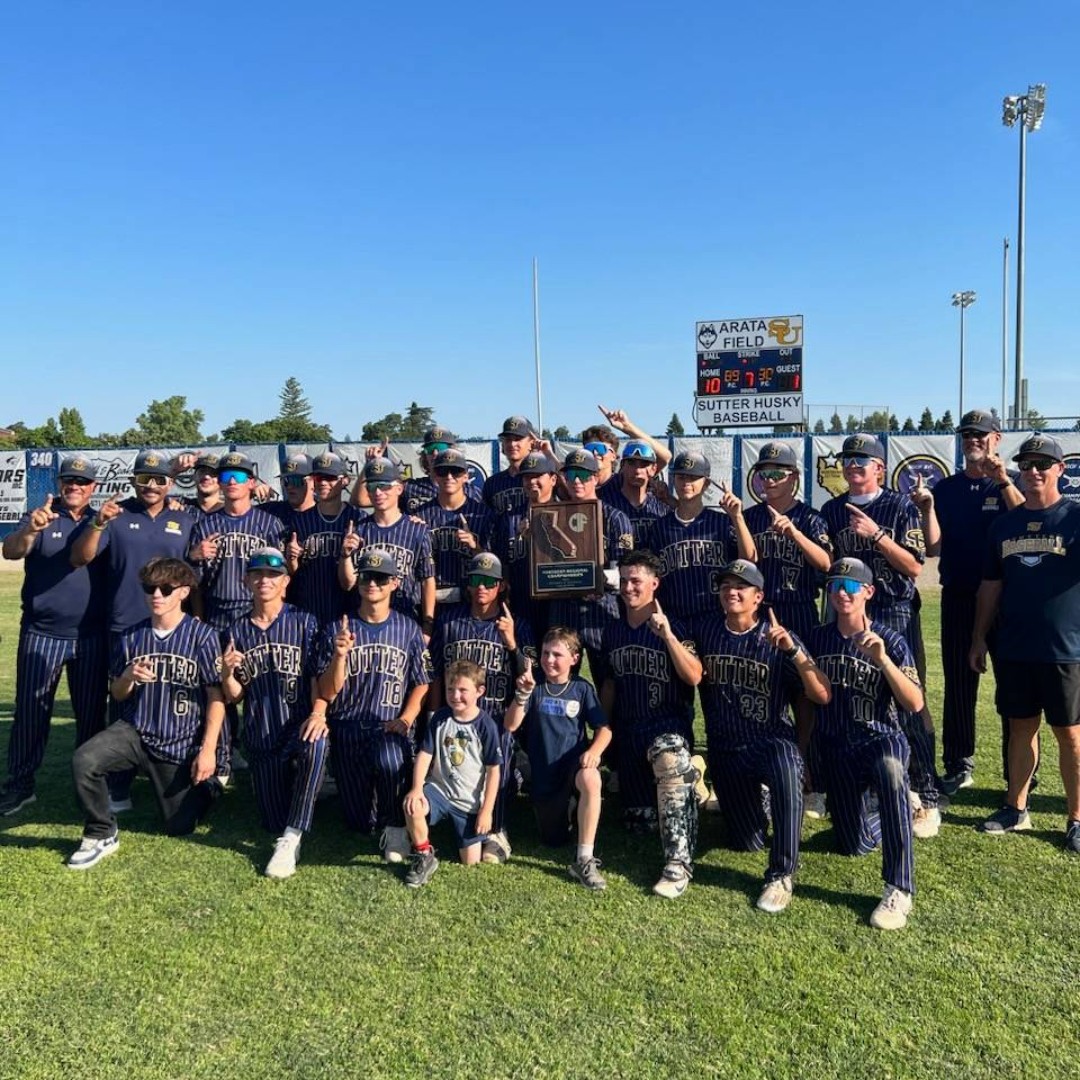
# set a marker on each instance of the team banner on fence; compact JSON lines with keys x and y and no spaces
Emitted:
{"x":720,"y":454}
{"x":12,"y":486}
{"x":408,"y":454}
{"x":932,"y":457}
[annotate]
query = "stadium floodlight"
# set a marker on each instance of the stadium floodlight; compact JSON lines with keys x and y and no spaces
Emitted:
{"x":962,"y":300}
{"x":1029,"y":109}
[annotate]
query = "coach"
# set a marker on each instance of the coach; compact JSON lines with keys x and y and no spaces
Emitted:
{"x":1032,"y":575}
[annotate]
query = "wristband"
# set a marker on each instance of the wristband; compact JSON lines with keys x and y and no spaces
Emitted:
{"x":878,"y":537}
{"x":427,"y":623}
{"x":1002,"y":484}
{"x":793,"y":651}
{"x":522,"y":696}
{"x":96,"y":527}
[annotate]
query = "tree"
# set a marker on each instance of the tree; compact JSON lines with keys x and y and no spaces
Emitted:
{"x":909,"y":426}
{"x":853,"y":424}
{"x":894,"y":424}
{"x":73,"y":429}
{"x":1035,"y":420}
{"x":876,"y":421}
{"x":945,"y":423}
{"x":167,"y":423}
{"x":926,"y":421}
{"x":675,"y":426}
{"x":294,"y":406}
{"x":386,"y":428}
{"x":836,"y":425}
{"x":561,"y":434}
{"x":819,"y":426}
{"x":417,"y":420}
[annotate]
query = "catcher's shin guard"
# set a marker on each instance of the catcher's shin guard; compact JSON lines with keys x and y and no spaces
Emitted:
{"x":676,"y":802}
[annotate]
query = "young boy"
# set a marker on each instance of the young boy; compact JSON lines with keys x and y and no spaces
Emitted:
{"x":561,"y":711}
{"x":456,"y":774}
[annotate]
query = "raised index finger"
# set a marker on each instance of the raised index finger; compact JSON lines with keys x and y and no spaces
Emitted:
{"x":505,"y":610}
{"x":773,"y":621}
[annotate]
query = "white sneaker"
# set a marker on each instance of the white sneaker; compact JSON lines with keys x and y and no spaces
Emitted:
{"x":395,"y":844}
{"x":814,"y":805}
{"x":496,"y":848}
{"x":926,"y":823}
{"x":92,"y":851}
{"x":119,"y":806}
{"x":282,"y":863}
{"x":892,"y":912}
{"x":674,"y":881}
{"x":775,"y":896}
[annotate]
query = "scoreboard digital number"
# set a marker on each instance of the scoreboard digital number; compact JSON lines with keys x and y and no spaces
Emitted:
{"x":762,"y":371}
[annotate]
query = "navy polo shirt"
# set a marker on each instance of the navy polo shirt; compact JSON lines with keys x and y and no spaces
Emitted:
{"x":966,"y":509}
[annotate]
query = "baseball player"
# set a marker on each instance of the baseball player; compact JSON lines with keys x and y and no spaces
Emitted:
{"x":62,"y":627}
{"x":268,"y":662}
{"x":460,"y":524}
{"x":484,"y":631}
{"x":422,"y":489}
{"x":619,"y":420}
{"x":502,"y":491}
{"x":406,"y":539}
{"x":166,"y":678}
{"x":883,"y":528}
{"x":207,"y":497}
{"x":696,"y":542}
{"x":648,"y":674}
{"x":956,"y":518}
{"x":1031,"y":575}
{"x":751,"y":669}
{"x":630,"y":493}
{"x":297,"y":488}
{"x":374,"y":672}
{"x":314,"y":543}
{"x":861,"y":742}
{"x":456,"y":774}
{"x":558,"y":715}
{"x":603,"y":444}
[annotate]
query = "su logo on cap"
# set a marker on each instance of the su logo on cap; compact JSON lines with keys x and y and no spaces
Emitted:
{"x":292,"y":466}
{"x":575,"y":457}
{"x":152,"y":460}
{"x":79,"y":463}
{"x":376,"y":468}
{"x":858,"y":442}
{"x":485,"y":562}
{"x":375,"y":559}
{"x":232,"y":459}
{"x":738,"y":567}
{"x":770,"y":451}
{"x":846,"y":568}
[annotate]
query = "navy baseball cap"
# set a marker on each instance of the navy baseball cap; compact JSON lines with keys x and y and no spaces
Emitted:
{"x":487,"y":564}
{"x":777,"y":453}
{"x":152,"y":463}
{"x":855,"y":569}
{"x":745,"y":571}
{"x":236,"y":460}
{"x":861,"y":444}
{"x":436,"y":435}
{"x":377,"y":561}
{"x":1040,"y":446}
{"x":536,"y":463}
{"x":979,"y":420}
{"x":517,"y":427}
{"x":296,"y":465}
{"x":78,"y":468}
{"x":379,"y":470}
{"x":691,"y":463}
{"x":638,"y":450}
{"x":207,"y":462}
{"x":268,"y":558}
{"x":450,"y":459}
{"x":581,"y":459}
{"x":329,"y":464}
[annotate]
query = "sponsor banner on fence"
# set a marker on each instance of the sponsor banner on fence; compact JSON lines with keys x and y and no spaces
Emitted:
{"x":721,"y":457}
{"x":12,"y":486}
{"x":932,"y":457}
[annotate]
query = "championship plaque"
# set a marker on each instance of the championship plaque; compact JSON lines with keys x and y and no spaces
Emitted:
{"x":566,"y":550}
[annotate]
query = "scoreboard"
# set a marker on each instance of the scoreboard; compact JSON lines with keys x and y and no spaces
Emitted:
{"x":749,"y":372}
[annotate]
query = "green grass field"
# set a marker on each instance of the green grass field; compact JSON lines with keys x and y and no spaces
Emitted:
{"x":176,"y":958}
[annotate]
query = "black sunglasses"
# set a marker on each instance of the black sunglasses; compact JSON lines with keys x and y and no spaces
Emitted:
{"x":166,"y":590}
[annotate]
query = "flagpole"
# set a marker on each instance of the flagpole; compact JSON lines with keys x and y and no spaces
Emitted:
{"x":536,"y":346}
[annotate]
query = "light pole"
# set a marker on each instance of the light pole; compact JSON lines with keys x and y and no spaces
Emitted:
{"x":962,"y":300}
{"x":1028,"y":109}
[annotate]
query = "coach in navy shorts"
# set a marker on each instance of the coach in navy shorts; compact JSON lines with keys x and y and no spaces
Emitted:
{"x":63,"y":626}
{"x":1032,"y":576}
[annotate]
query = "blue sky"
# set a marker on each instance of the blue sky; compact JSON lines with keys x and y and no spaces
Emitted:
{"x":207,"y":198}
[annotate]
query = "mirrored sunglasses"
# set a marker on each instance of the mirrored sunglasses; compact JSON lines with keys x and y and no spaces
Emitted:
{"x":482,"y":581}
{"x":266,"y":562}
{"x":848,"y":585}
{"x":599,"y":449}
{"x":577,"y":474}
{"x":860,"y":461}
{"x":1039,"y":464}
{"x":367,"y":576}
{"x":435,"y":447}
{"x":294,"y":481}
{"x":150,"y":480}
{"x":234,"y":476}
{"x":774,"y":474}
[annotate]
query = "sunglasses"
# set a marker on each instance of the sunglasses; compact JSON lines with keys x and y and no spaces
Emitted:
{"x":81,"y":481}
{"x":645,"y":453}
{"x":371,"y":576}
{"x":378,"y":485}
{"x":294,"y":481}
{"x":266,"y":562}
{"x":860,"y":461}
{"x":150,"y":480}
{"x":436,"y":447}
{"x":450,"y":471}
{"x":1039,"y":464}
{"x":165,"y":590}
{"x":482,"y":581}
{"x":598,"y":448}
{"x":971,"y":433}
{"x":234,"y":476}
{"x":845,"y":584}
{"x":774,"y":474}
{"x":577,"y":474}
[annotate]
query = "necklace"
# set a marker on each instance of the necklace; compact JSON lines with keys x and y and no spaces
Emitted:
{"x":553,"y":693}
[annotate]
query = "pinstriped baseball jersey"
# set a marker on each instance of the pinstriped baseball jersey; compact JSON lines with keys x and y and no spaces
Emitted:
{"x":862,"y":704}
{"x":641,"y":518}
{"x":410,"y":544}
{"x":58,"y":599}
{"x":169,"y":712}
{"x":279,"y":664}
{"x":132,"y":540}
{"x":504,"y":494}
{"x":222,"y":586}
{"x":693,"y":553}
{"x":421,"y":489}
{"x":451,"y":557}
{"x":789,"y":578}
{"x":459,"y":635}
{"x":314,"y":587}
{"x":387,"y":660}
{"x":746,"y":683}
{"x":513,"y":551}
{"x":898,"y":516}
